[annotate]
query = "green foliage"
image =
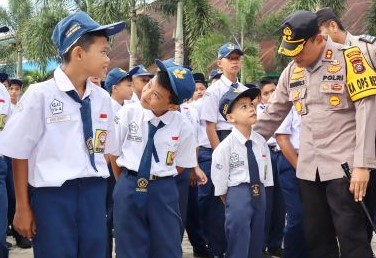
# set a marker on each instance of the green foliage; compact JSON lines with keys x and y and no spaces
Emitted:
{"x":252,"y":67}
{"x":371,"y":18}
{"x":31,"y":77}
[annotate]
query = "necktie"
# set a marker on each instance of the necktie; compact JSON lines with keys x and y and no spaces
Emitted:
{"x":235,"y":85}
{"x":86,"y":123}
{"x":145,"y":165}
{"x":254,"y":177}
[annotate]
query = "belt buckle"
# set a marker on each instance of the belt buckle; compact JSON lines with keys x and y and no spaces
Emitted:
{"x":153,"y":177}
{"x":255,"y":190}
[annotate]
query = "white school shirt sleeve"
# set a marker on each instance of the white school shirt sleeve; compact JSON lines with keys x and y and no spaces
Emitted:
{"x":210,"y":105}
{"x":185,"y":155}
{"x":111,"y":144}
{"x":286,"y":126}
{"x":266,"y":171}
{"x":25,"y":127}
{"x":220,"y":168}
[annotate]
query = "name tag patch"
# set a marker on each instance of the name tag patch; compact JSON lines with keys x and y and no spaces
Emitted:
{"x":57,"y":119}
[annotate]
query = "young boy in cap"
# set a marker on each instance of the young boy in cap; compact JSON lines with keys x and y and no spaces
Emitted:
{"x":200,"y":86}
{"x":217,"y":128}
{"x":61,"y":126}
{"x":241,"y":168}
{"x":325,"y":83}
{"x":215,"y":75}
{"x":140,"y":78}
{"x":146,"y":202}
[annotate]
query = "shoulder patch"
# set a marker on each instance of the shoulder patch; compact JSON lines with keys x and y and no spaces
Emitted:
{"x":367,"y":38}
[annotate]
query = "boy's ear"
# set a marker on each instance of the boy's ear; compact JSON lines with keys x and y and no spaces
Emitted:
{"x":173,"y":107}
{"x":76,"y":53}
{"x":230,"y":118}
{"x":219,"y":63}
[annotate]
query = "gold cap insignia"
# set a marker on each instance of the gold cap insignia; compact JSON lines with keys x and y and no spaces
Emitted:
{"x":179,"y":74}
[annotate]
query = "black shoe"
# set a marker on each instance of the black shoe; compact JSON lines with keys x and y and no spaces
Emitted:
{"x":278,"y":252}
{"x":23,"y":242}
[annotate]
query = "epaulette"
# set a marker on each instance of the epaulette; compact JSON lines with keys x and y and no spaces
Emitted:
{"x":367,"y":38}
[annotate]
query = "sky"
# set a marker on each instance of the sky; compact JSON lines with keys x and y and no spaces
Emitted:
{"x":4,"y":3}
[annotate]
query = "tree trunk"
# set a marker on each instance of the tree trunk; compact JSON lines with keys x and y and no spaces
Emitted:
{"x":133,"y":41}
{"x":179,"y":39}
{"x":19,"y":62}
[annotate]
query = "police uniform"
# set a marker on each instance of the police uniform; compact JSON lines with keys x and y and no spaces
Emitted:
{"x":294,"y":241}
{"x":4,"y":113}
{"x":275,"y":215}
{"x":337,"y":125}
{"x":151,"y":203}
{"x":245,"y":204}
{"x":66,"y":169}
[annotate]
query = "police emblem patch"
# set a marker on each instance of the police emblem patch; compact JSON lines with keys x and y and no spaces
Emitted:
{"x":334,"y":100}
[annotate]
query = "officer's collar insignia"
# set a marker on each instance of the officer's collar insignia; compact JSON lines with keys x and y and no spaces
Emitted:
{"x":329,"y":54}
{"x":179,"y":74}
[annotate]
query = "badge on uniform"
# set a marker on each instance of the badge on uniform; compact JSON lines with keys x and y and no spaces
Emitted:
{"x":297,"y":74}
{"x":170,"y":158}
{"x":334,"y":67}
{"x":56,"y":107}
{"x":142,"y":185}
{"x":328,"y":54}
{"x":89,"y":144}
{"x":334,"y":100}
{"x":3,"y":118}
{"x":255,"y":190}
{"x":100,"y":140}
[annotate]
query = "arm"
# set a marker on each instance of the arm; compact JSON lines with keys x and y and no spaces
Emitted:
{"x":287,"y":149}
{"x":23,"y":220}
{"x":212,"y":134}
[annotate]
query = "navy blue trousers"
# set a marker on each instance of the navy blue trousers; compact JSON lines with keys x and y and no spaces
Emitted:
{"x":182,"y":183}
{"x":245,"y":219}
{"x":294,"y":240}
{"x":152,"y":231}
{"x":3,"y":208}
{"x":109,"y":209}
{"x":275,"y":209}
{"x":212,"y":210}
{"x":71,"y":219}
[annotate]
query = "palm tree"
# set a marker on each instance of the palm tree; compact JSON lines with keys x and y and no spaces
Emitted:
{"x":371,"y":18}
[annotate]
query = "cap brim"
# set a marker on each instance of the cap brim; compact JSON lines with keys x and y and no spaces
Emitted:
{"x":232,"y":51}
{"x":251,"y":93}
{"x":111,"y":29}
{"x":290,"y":49}
{"x":4,"y":29}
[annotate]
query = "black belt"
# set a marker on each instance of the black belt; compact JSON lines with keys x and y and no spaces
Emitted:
{"x":151,"y":177}
{"x":205,"y":148}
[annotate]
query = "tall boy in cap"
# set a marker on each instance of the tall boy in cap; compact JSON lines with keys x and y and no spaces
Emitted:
{"x":241,"y":168}
{"x":146,"y":201}
{"x":217,"y":128}
{"x":64,"y":127}
{"x":338,"y":124}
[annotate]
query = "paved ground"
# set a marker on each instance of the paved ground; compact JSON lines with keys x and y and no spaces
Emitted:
{"x":187,"y":249}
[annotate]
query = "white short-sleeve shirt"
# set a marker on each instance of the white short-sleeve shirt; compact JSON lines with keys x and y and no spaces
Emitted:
{"x":5,"y":106}
{"x":211,"y":100}
{"x":175,"y":143}
{"x":189,"y":112}
{"x":115,"y":106}
{"x":46,"y":128}
{"x":202,"y":136}
{"x":230,"y":163}
{"x":291,"y":126}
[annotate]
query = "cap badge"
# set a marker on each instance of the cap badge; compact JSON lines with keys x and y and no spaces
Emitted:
{"x":225,"y":107}
{"x":72,"y":29}
{"x":287,"y":33}
{"x":179,"y":74}
{"x":230,"y":46}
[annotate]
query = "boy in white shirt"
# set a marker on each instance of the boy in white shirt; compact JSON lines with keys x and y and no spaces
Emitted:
{"x":241,"y":168}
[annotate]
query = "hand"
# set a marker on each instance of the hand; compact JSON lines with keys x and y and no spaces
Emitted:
{"x":200,"y":176}
{"x":358,"y":183}
{"x":24,"y":222}
{"x":192,"y":178}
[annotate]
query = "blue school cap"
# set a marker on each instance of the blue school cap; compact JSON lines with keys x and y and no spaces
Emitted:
{"x":228,"y":99}
{"x":140,"y":70}
{"x":72,"y":27}
{"x":225,"y":50}
{"x":181,"y":79}
{"x":115,"y":76}
{"x":216,"y":73}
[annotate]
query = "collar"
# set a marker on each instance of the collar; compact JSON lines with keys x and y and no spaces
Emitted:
{"x":349,"y":39}
{"x":226,"y":81}
{"x":64,"y":84}
{"x":166,"y":118}
{"x":240,"y":137}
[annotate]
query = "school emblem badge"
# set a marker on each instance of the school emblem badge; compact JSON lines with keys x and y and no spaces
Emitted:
{"x":255,"y":190}
{"x":133,"y":128}
{"x":142,"y":185}
{"x":56,"y":107}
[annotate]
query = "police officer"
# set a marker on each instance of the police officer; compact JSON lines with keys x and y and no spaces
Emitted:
{"x":332,"y":88}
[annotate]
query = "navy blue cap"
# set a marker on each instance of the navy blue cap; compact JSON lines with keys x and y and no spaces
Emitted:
{"x":140,"y":70}
{"x":181,"y":79}
{"x":228,"y":99}
{"x":72,"y":27}
{"x":4,"y":29}
{"x":115,"y":76}
{"x":225,"y":50}
{"x":216,"y":73}
{"x":199,"y":77}
{"x":3,"y":77}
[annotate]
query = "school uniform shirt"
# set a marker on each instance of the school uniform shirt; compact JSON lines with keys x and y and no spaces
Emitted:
{"x":5,"y":103}
{"x":211,"y":102}
{"x":175,"y":143}
{"x":230,"y":163}
{"x":133,"y":99}
{"x":202,"y":136}
{"x":115,"y":106}
{"x":260,"y":109}
{"x":47,"y":130}
{"x":191,"y":116}
{"x":291,"y":126}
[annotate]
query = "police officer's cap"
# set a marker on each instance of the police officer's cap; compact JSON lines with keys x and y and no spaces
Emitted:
{"x":181,"y":79}
{"x":296,"y":30}
{"x":72,"y":27}
{"x":229,"y":98}
{"x":325,"y":14}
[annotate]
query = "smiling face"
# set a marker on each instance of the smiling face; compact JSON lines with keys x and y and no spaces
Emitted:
{"x":157,"y":98}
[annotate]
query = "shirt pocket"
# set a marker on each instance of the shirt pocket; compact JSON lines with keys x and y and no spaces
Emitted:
{"x":298,"y":97}
{"x":335,"y":95}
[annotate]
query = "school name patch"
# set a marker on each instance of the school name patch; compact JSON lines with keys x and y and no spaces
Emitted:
{"x":235,"y":161}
